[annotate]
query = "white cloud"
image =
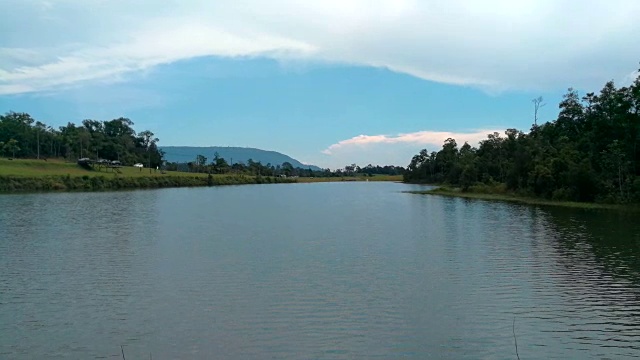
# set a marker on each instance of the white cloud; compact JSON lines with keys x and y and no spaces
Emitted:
{"x":145,"y":49}
{"x":419,"y":138}
{"x":388,"y":149}
{"x":494,"y":45}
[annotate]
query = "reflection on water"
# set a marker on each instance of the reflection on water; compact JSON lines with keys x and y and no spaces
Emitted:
{"x":332,"y":271}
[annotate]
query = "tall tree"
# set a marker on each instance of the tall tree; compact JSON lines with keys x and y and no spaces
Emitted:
{"x":589,"y":153}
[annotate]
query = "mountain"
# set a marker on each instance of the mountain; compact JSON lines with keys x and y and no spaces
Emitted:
{"x":183,"y":154}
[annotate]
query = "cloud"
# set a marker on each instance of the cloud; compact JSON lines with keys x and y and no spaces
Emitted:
{"x":420,"y":138}
{"x":146,"y":49}
{"x":392,"y":149}
{"x":494,"y":45}
{"x":631,"y":77}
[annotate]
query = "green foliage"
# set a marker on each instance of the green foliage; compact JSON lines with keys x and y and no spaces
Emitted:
{"x":10,"y":147}
{"x":495,"y":194}
{"x":220,"y":166}
{"x":591,"y":152}
{"x":21,"y":136}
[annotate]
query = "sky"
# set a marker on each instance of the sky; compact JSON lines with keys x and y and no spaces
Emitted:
{"x":329,"y":82}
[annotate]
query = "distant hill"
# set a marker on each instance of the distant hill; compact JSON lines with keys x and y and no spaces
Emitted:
{"x":184,"y":154}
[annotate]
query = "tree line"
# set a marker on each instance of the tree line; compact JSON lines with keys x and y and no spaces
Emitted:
{"x":219,"y":165}
{"x":22,"y":136}
{"x":589,"y":153}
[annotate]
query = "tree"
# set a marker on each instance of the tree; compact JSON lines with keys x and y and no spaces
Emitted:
{"x":537,"y":104}
{"x":18,"y":126}
{"x":39,"y":128}
{"x":219,"y":164}
{"x":350,"y":169}
{"x":112,"y":140}
{"x":287,"y":168}
{"x":614,"y":160}
{"x":148,"y":143}
{"x":201,"y":160}
{"x":589,"y":153}
{"x":12,"y":146}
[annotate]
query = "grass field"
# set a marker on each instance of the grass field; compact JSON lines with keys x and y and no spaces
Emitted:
{"x":35,"y":168}
{"x":22,"y":175}
{"x":444,"y":191}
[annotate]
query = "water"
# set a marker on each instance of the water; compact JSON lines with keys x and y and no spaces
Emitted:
{"x":313,"y":271}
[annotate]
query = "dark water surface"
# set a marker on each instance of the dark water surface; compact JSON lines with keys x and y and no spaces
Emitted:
{"x":313,"y":271}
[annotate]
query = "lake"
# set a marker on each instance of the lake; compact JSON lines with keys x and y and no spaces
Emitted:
{"x":313,"y":271}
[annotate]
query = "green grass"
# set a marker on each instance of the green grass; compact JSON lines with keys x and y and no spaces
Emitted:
{"x":31,"y":167}
{"x":57,"y":175}
{"x":456,"y":192}
{"x":19,"y":167}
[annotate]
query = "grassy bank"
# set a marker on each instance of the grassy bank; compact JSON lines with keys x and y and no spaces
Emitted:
{"x":456,"y":192}
{"x":55,"y":175}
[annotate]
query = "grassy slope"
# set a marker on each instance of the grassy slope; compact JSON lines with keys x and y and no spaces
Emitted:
{"x":444,"y":191}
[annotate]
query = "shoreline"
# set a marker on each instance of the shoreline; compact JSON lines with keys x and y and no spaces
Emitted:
{"x":28,"y":175}
{"x":99,"y":182}
{"x":11,"y":184}
{"x":447,"y":192}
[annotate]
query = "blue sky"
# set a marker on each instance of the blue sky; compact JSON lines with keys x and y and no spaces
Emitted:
{"x":329,"y":83}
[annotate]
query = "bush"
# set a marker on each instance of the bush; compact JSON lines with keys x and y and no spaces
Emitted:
{"x":490,"y":188}
{"x":563,"y":194}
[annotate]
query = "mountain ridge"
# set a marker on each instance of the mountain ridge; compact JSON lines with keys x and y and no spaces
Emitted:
{"x":236,"y":154}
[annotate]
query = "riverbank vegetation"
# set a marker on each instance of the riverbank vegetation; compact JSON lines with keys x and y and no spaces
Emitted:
{"x":39,"y":157}
{"x":478,"y":194}
{"x":219,"y":165}
{"x":21,"y":136}
{"x":590,"y":153}
{"x":397,"y":178}
{"x":38,"y":175}
{"x":56,"y":174}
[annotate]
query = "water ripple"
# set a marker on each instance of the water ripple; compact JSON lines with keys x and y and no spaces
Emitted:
{"x":331,"y":271}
